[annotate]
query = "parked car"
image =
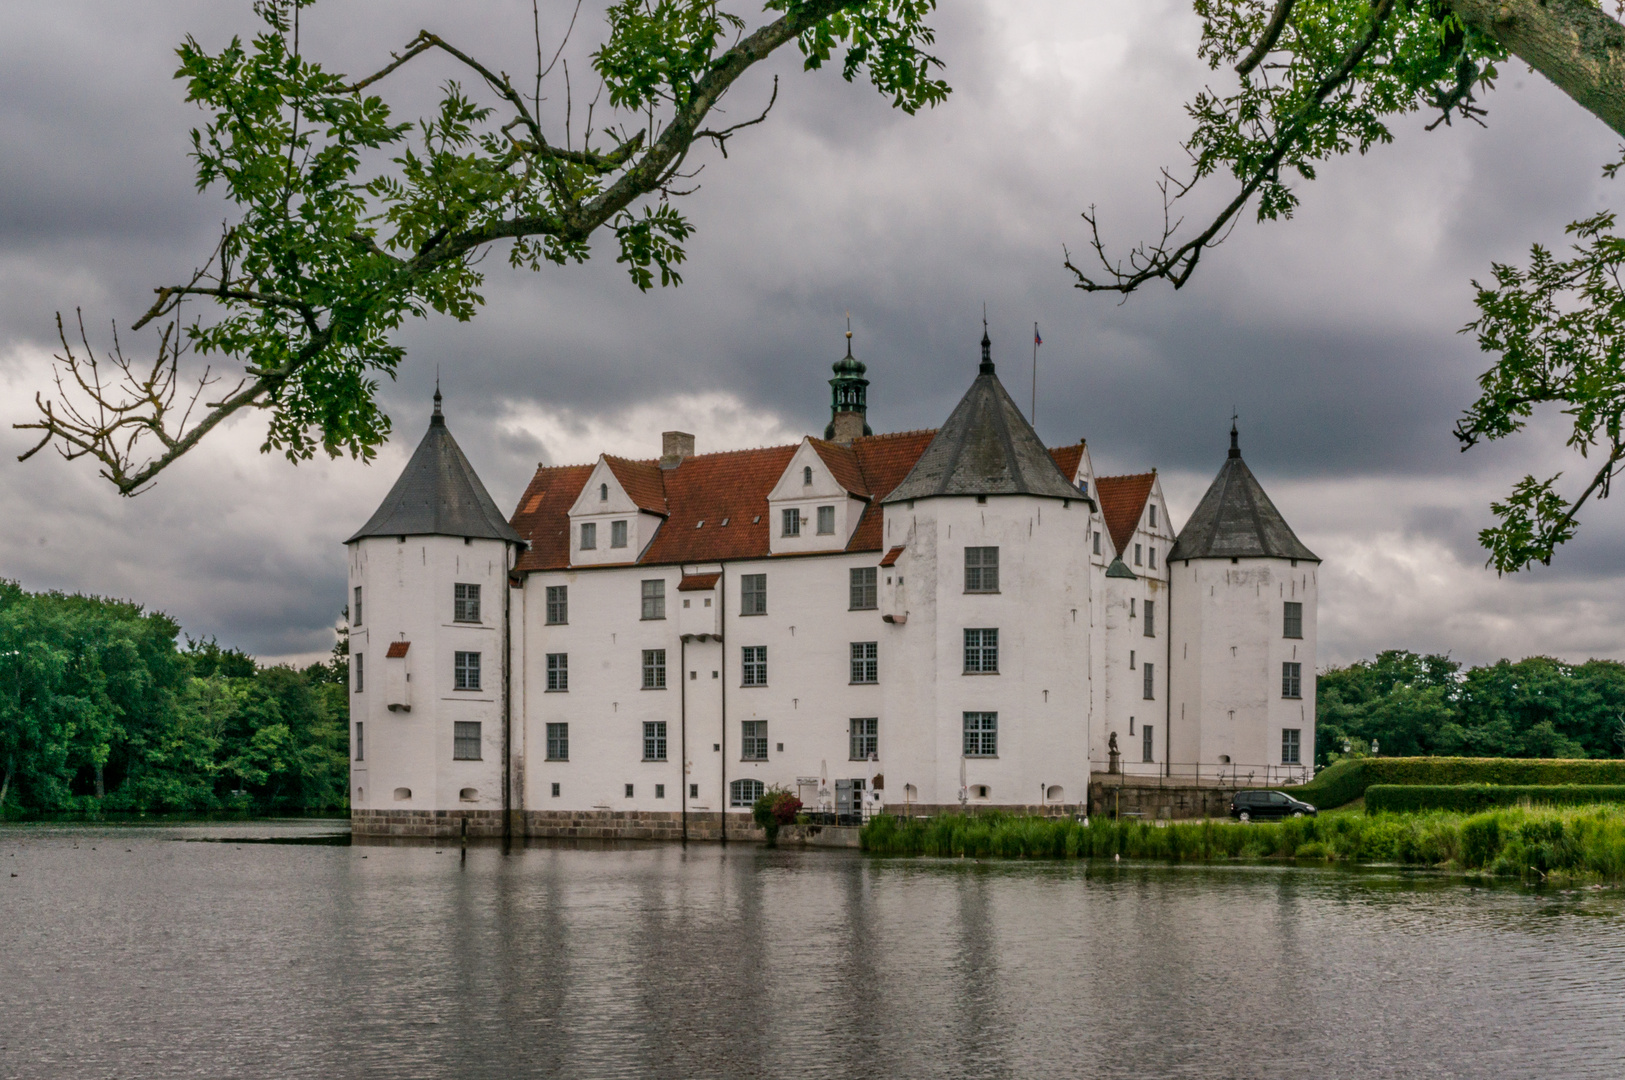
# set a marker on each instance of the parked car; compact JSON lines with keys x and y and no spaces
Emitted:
{"x":1246,"y":805}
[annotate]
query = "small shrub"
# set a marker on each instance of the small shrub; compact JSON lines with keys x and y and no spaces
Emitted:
{"x":775,"y":809}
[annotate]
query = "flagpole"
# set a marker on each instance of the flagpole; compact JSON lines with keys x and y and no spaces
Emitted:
{"x":1033,"y":413}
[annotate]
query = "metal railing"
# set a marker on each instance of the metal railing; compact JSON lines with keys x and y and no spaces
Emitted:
{"x":1205,"y":774}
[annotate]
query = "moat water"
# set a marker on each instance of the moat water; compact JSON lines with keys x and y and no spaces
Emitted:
{"x":146,"y":952}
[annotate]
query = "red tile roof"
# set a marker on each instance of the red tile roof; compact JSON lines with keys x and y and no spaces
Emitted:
{"x":697,"y":582}
{"x":543,"y":517}
{"x":885,"y":461}
{"x":843,"y":463}
{"x":1067,"y":458}
{"x":1122,"y":501}
{"x":642,"y":482}
{"x":891,"y":556}
{"x":397,"y":649}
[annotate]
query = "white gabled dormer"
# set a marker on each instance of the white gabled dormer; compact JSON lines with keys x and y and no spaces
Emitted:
{"x":810,"y":509}
{"x":608,"y":524}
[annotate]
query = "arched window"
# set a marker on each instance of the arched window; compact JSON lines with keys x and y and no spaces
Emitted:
{"x":806,"y":474}
{"x":744,"y":792}
{"x":603,"y":493}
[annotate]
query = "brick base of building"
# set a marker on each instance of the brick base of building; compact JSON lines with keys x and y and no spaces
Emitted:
{"x":568,"y":824}
{"x":1167,"y":801}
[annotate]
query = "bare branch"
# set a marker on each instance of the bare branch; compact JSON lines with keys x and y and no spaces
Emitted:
{"x":721,"y":137}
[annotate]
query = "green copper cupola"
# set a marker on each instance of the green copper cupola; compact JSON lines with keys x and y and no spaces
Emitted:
{"x":849,"y":398}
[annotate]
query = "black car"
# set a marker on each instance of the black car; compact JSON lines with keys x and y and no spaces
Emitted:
{"x":1246,"y":805}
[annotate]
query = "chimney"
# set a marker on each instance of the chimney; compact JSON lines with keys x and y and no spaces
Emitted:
{"x":674,"y":447}
{"x":846,"y":426}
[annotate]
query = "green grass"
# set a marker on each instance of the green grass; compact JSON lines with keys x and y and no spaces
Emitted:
{"x":1347,"y":780}
{"x":1522,"y":842}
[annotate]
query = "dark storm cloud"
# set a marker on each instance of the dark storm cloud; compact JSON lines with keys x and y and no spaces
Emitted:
{"x":1333,"y":335}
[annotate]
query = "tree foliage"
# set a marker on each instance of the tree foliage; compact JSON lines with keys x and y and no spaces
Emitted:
{"x":350,"y":221}
{"x":1415,"y":705}
{"x":1310,"y":80}
{"x":100,"y":711}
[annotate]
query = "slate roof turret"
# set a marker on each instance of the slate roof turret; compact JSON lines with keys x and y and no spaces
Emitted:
{"x":986,"y":448}
{"x":1235,"y":519}
{"x":438,"y":494}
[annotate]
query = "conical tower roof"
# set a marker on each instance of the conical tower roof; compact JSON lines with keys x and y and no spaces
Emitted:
{"x":1235,"y":519}
{"x":985,"y":448}
{"x":438,"y":494}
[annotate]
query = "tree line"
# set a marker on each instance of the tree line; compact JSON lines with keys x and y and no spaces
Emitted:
{"x":103,"y":709}
{"x":1409,"y":704}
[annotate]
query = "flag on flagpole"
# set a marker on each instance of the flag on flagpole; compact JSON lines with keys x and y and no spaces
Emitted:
{"x":1036,"y":339}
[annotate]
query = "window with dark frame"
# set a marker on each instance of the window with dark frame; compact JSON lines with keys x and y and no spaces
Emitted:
{"x":357,"y":605}
{"x":465,"y":740}
{"x":558,"y":672}
{"x":753,"y":594}
{"x":865,"y":662}
{"x":654,"y":669}
{"x":865,"y":737}
{"x":558,"y":744}
{"x":1097,"y":543}
{"x":660,"y":791}
{"x":589,"y":536}
{"x":1151,"y":553}
{"x":1147,"y":744}
{"x":864,"y":591}
{"x":360,"y":744}
{"x":1292,"y":619}
{"x":654,"y":740}
{"x":558,"y":605}
{"x":465,"y":603}
{"x":753,"y":665}
{"x":1137,"y":548}
{"x":1292,"y":679}
{"x":629,"y":791}
{"x":1152,"y":509}
{"x":753,"y":740}
{"x":555,"y":789}
{"x":1150,"y":671}
{"x":981,"y":569}
{"x":792,"y":522}
{"x":1291,"y":741}
{"x":617,"y":534}
{"x":981,"y":734}
{"x":826,"y":521}
{"x":360,"y":674}
{"x":1150,"y":618}
{"x":654,"y":598}
{"x":465,"y":671}
{"x":744,"y":792}
{"x":981,"y":651}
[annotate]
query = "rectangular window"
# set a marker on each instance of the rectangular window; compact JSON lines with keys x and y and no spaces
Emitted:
{"x":744,"y":793}
{"x":1290,"y":743}
{"x":981,"y":652}
{"x":981,"y":734}
{"x":1150,"y":680}
{"x":1147,"y":744}
{"x":865,"y":734}
{"x":1152,"y":553}
{"x":753,"y":740}
{"x":558,"y":605}
{"x":981,"y":569}
{"x":1153,"y":511}
{"x":589,"y":536}
{"x":360,"y":746}
{"x":555,"y":789}
{"x":558,"y":745}
{"x":465,"y":745}
{"x":864,"y":594}
{"x":654,"y":740}
{"x":654,"y":669}
{"x":465,"y":603}
{"x":629,"y":791}
{"x":865,"y":661}
{"x":660,"y":791}
{"x":753,"y":665}
{"x":654,"y":599}
{"x":792,"y":523}
{"x":826,"y":521}
{"x":1292,"y":620}
{"x":617,"y":534}
{"x":357,"y":605}
{"x":558,"y":671}
{"x":360,"y":673}
{"x":1291,"y":680}
{"x":1097,"y":543}
{"x":1150,"y":618}
{"x":1137,"y":554}
{"x":693,"y":791}
{"x":466,"y":671}
{"x":753,"y":594}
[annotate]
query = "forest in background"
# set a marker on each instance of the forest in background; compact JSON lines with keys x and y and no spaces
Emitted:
{"x":105,"y":709}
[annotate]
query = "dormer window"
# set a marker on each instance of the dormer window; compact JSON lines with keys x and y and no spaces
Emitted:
{"x":806,"y":475}
{"x":826,"y":521}
{"x":1083,"y":486}
{"x":589,"y":536}
{"x":603,"y":493}
{"x":792,"y":523}
{"x":617,"y":534}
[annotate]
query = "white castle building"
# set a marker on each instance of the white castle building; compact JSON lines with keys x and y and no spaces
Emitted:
{"x":920,"y":622}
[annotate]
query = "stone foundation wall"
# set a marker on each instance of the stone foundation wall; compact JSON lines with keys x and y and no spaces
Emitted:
{"x":1109,"y":798}
{"x":439,"y":824}
{"x":582,"y":825}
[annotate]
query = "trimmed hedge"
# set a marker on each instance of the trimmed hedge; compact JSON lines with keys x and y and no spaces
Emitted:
{"x":1348,"y":779}
{"x":1467,"y":798}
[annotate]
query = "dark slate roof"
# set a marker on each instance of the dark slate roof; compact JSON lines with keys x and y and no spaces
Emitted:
{"x":986,"y":448}
{"x":1235,"y":519}
{"x":438,"y":494}
{"x":1119,"y":568}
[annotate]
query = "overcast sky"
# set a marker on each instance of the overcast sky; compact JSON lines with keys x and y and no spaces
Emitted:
{"x":1334,"y":335}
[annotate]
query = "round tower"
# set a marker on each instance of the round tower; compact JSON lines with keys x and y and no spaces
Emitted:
{"x":429,"y":627}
